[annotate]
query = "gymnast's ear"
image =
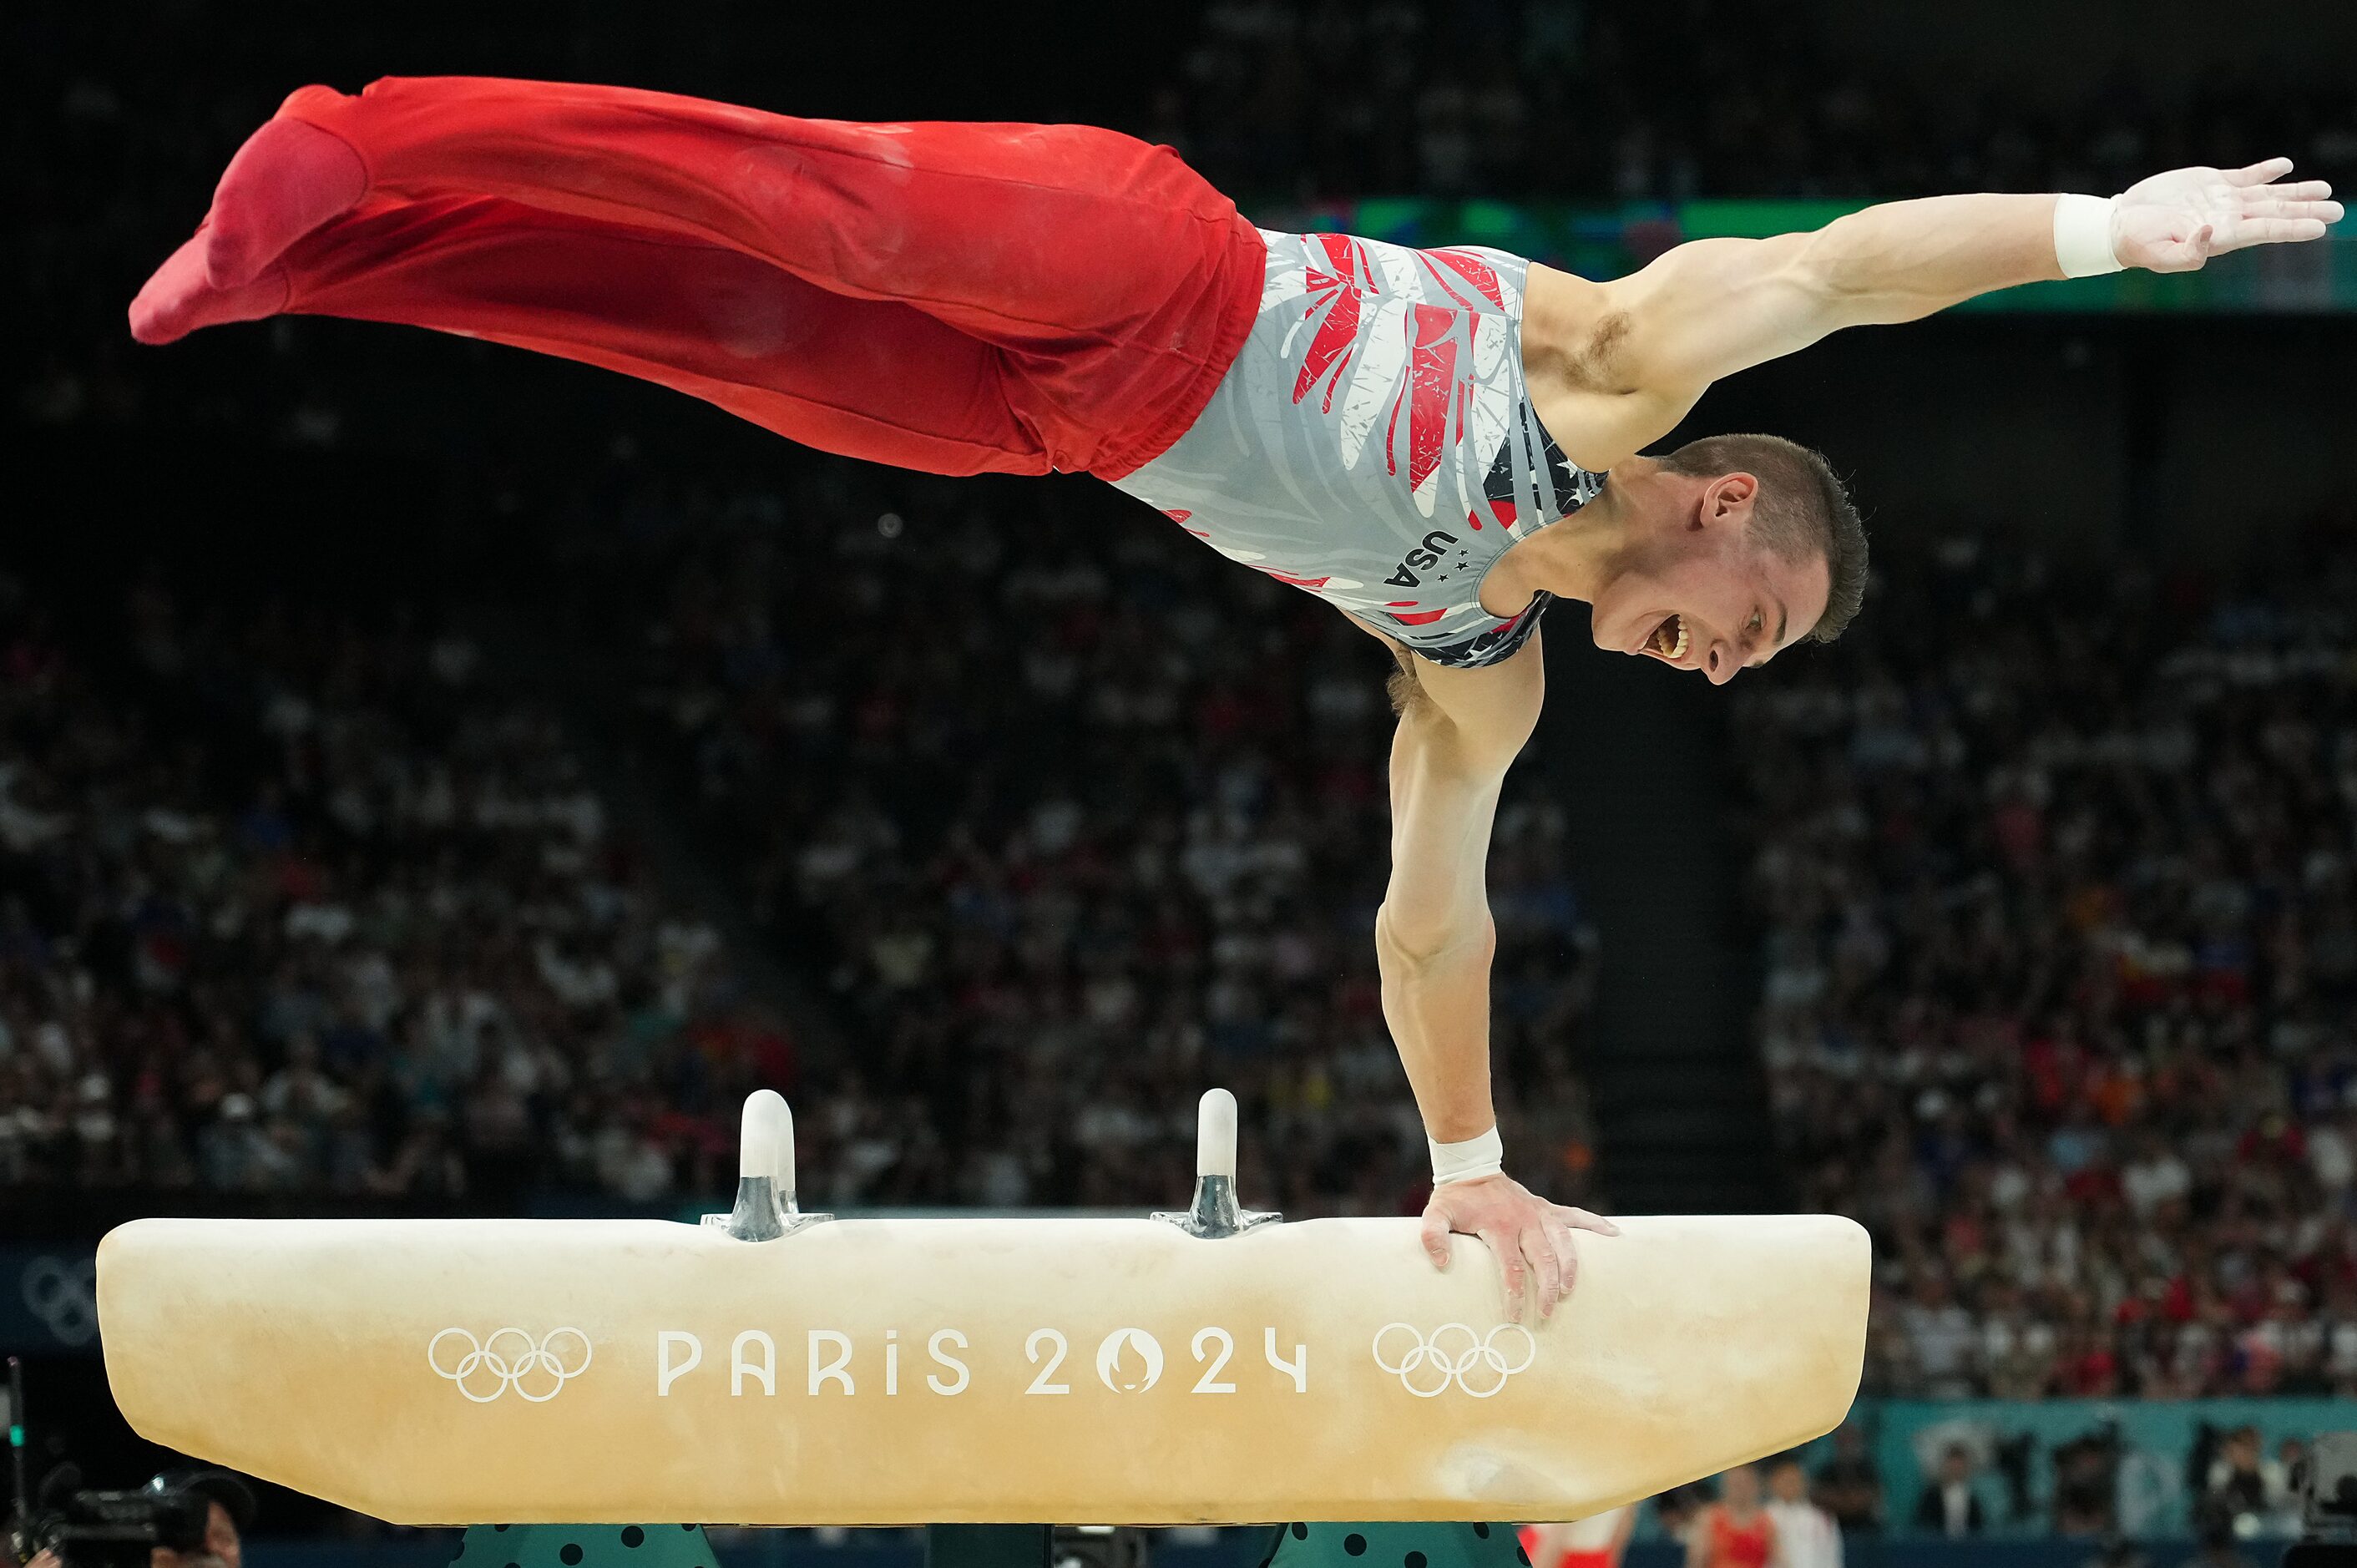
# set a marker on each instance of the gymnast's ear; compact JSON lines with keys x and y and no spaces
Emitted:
{"x":1728,"y":499}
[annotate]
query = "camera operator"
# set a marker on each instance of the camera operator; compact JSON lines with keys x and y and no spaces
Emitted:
{"x":229,"y":1511}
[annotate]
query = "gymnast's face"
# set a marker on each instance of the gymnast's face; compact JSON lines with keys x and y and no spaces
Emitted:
{"x":1692,"y":587}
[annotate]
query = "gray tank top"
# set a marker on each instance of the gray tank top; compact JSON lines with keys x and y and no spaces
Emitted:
{"x":1373,"y":444}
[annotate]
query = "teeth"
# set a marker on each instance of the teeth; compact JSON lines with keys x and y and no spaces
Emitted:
{"x":1680,"y":650}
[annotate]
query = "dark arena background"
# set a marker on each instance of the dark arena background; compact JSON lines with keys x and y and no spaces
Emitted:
{"x":440,"y":782}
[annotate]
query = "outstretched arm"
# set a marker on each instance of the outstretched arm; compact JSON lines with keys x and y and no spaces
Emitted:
{"x":1710,"y":307}
{"x":1459,"y":730}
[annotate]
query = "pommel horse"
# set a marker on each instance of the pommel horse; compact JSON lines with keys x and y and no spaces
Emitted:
{"x":770,"y":1366}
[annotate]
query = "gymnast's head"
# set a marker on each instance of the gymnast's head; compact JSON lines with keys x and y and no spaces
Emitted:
{"x":1727,"y":552}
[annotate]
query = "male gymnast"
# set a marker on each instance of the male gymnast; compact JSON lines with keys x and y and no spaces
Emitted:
{"x":1439,"y":442}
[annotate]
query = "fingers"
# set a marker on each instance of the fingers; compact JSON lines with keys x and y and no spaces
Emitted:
{"x":2187,"y":255}
{"x":2256,"y":209}
{"x":2270,"y":231}
{"x":1581,"y":1219}
{"x":1570,"y":1253}
{"x":1516,"y":1269}
{"x":2258,"y":173}
{"x":2281,"y":231}
{"x":2254,"y":197}
{"x":1435,"y":1238}
{"x":1533,"y":1241}
{"x":1538,"y":1245}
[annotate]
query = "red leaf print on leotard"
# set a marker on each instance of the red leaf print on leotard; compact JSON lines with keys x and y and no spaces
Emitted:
{"x":1399,"y":337}
{"x":1503,"y":511}
{"x":1339,"y":291}
{"x":1473,"y":270}
{"x":1432,"y":379}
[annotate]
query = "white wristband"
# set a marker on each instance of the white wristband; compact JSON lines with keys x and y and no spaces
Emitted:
{"x":1469,"y":1161}
{"x":2082,"y":235}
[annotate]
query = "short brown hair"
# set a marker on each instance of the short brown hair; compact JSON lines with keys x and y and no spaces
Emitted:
{"x":1803,"y":509}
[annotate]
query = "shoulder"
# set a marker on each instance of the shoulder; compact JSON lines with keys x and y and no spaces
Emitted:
{"x":1575,"y":329}
{"x":1583,"y":374}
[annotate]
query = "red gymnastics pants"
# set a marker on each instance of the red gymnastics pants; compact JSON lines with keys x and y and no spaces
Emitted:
{"x":959,"y":298}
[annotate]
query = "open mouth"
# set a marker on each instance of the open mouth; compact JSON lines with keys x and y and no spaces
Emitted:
{"x":1668,"y":639}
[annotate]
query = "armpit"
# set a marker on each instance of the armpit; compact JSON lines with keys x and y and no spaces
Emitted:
{"x":1406,"y":692}
{"x":1600,"y":363}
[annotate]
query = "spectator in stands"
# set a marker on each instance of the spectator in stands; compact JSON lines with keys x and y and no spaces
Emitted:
{"x":2086,"y":1484}
{"x":1849,"y":1484}
{"x":1736,"y":1530}
{"x":1948,"y":1507}
{"x":1806,"y":1535}
{"x":2244,"y":1487}
{"x":1324,"y":100}
{"x":2054,"y":971}
{"x":299,"y":907}
{"x":2284,"y":1506}
{"x":1674,"y":1510}
{"x":1596,"y":1541}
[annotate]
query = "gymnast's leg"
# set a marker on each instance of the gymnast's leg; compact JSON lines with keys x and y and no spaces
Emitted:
{"x":1112,"y":274}
{"x":872,"y":378}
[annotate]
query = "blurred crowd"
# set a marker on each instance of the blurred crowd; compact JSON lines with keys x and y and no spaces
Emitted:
{"x":292,"y":904}
{"x":1605,"y":102}
{"x":315,"y":903}
{"x":2199,"y":1502}
{"x":1072,"y":819}
{"x":2060,"y":945}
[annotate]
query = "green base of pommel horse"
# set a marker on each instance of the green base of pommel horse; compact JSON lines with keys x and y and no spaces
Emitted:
{"x":1283,"y":1546}
{"x":585,"y":1546}
{"x":1008,"y":1546}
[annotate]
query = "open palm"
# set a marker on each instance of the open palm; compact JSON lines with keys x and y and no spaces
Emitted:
{"x":2175,"y":222}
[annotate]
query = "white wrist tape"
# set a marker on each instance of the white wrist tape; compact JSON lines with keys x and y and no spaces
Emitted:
{"x":2082,"y":235}
{"x":1468,"y":1161}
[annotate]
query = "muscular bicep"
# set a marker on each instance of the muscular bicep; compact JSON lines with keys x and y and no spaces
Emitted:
{"x":1710,"y":307}
{"x":1458,"y":735}
{"x":1494,"y":707}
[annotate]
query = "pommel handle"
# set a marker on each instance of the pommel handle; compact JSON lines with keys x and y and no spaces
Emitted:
{"x":1215,"y":1135}
{"x":766,"y":1148}
{"x":1214,"y":1212}
{"x":765,"y":1208}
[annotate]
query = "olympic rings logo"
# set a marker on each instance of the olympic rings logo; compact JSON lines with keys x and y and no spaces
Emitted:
{"x":485,"y":1363}
{"x":63,"y":1296}
{"x":1453,"y":1354}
